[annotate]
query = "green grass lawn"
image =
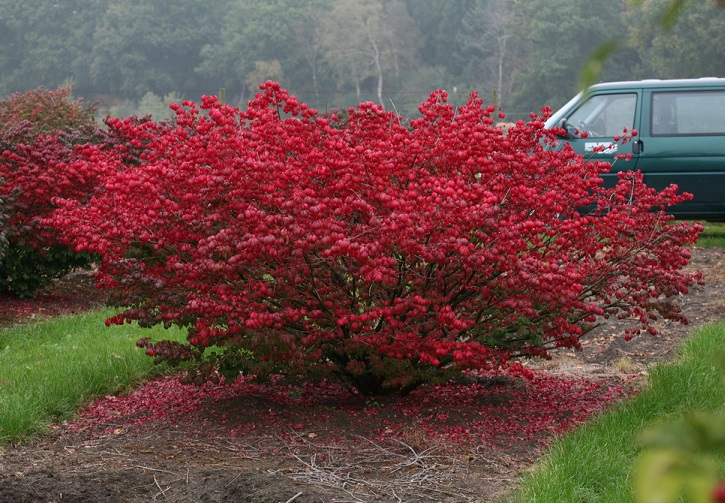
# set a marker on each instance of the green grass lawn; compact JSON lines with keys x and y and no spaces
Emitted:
{"x":595,"y":463}
{"x":51,"y":367}
{"x":713,"y":236}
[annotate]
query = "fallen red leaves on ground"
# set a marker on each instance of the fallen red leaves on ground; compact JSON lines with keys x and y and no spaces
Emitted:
{"x":491,"y":408}
{"x":72,"y":294}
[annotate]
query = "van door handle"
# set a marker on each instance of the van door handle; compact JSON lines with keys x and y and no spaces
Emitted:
{"x":637,"y":147}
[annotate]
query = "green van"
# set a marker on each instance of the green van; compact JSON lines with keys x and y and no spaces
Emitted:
{"x":680,"y":138}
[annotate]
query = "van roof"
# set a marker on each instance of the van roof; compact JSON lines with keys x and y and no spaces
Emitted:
{"x":704,"y":82}
{"x":659,"y":84}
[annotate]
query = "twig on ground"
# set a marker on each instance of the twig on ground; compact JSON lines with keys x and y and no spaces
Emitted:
{"x":163,"y":491}
{"x":416,"y":458}
{"x":233,"y":480}
{"x":152,"y":469}
{"x":411,"y":473}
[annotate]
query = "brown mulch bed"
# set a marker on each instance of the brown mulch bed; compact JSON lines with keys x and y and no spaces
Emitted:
{"x":210,"y":453}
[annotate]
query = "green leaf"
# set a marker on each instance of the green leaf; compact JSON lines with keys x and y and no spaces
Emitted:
{"x":672,"y":13}
{"x":593,"y":67}
{"x":666,"y":475}
{"x":659,"y":477}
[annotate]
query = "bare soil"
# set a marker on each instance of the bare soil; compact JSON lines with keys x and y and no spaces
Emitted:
{"x":231,"y":450}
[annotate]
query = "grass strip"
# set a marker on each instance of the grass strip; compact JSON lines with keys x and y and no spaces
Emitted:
{"x":713,"y":236}
{"x":51,"y":367}
{"x":595,"y":462}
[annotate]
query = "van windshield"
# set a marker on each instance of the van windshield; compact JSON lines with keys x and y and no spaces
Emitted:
{"x":605,"y":115}
{"x":553,"y":121}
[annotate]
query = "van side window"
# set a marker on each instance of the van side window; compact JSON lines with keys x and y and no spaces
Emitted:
{"x":605,"y":115}
{"x":688,"y":113}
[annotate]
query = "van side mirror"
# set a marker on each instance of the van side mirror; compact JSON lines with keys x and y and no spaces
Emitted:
{"x":569,"y":131}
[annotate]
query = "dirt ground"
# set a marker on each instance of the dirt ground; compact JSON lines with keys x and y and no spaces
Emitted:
{"x":194,"y":457}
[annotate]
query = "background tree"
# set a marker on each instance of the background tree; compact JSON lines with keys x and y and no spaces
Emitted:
{"x":557,"y":36}
{"x":252,"y":33}
{"x":117,"y":51}
{"x":263,"y":71}
{"x":439,"y":24}
{"x":368,"y":39}
{"x":354,"y":42}
{"x":488,"y":32}
{"x":151,"y":46}
{"x":307,"y":36}
{"x":405,"y":38}
{"x":692,"y":44}
{"x":39,"y":50}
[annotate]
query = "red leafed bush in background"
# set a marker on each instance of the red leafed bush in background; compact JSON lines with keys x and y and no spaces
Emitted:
{"x":384,"y":254}
{"x":3,"y":228}
{"x":25,"y":115}
{"x":39,"y":133}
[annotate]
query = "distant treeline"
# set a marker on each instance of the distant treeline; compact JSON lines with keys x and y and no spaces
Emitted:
{"x":518,"y":54}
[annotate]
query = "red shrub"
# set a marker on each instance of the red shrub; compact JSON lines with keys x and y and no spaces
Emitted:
{"x":25,"y":115}
{"x":383,"y":254}
{"x":39,"y":133}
